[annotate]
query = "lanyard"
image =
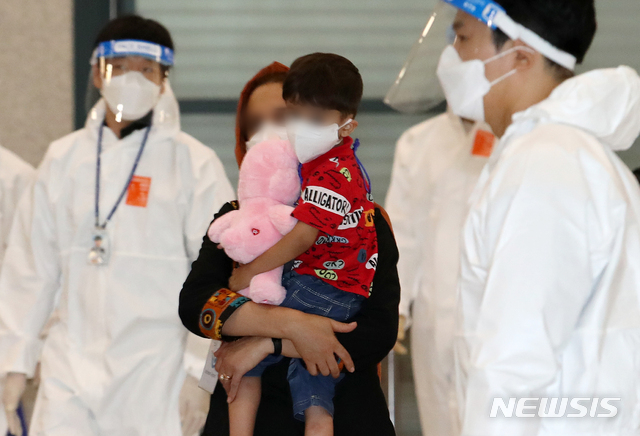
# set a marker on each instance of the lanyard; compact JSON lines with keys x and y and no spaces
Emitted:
{"x":363,"y":170}
{"x":126,"y":186}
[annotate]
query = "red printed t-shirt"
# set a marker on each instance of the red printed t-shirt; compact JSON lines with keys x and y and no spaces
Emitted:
{"x":334,"y":200}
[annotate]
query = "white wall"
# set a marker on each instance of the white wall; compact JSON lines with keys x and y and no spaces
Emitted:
{"x":36,"y":74}
{"x":220,"y":44}
{"x":618,"y":43}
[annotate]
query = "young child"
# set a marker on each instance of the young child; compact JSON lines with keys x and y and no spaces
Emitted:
{"x":333,"y":246}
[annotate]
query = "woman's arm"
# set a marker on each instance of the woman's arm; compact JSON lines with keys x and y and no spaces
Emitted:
{"x":313,"y":336}
{"x":235,"y":359}
{"x":377,"y":329}
{"x":209,"y":309}
{"x":209,"y":274}
{"x":206,"y":292}
{"x":370,"y":342}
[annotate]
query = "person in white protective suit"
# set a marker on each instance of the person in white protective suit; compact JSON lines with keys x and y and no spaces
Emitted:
{"x":437,"y":164}
{"x":106,"y":238}
{"x":16,"y":177}
{"x":548,"y":333}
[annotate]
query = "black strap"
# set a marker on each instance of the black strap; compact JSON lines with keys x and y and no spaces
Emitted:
{"x":277,"y":346}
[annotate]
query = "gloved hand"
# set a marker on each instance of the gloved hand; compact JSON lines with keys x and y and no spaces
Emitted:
{"x":194,"y":407}
{"x":14,"y":387}
{"x":399,"y":348}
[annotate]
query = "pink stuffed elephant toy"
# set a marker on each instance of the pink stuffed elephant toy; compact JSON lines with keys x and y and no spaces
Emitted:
{"x":269,"y":185}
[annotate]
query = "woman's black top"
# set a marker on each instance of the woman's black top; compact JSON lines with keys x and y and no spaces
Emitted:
{"x":360,"y":406}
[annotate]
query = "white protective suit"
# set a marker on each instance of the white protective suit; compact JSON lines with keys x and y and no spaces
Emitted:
{"x":16,"y":177}
{"x":550,"y":273}
{"x":434,"y":173}
{"x":114,"y":362}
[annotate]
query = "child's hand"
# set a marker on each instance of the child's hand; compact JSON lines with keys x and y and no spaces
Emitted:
{"x":240,"y":278}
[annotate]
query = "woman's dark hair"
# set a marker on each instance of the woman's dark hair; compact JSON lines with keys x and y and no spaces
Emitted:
{"x":569,"y":25}
{"x":325,"y":80}
{"x":272,"y":77}
{"x":136,"y":27}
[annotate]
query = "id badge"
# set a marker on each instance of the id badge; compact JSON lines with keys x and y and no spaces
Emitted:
{"x":99,"y":251}
{"x":209,"y":378}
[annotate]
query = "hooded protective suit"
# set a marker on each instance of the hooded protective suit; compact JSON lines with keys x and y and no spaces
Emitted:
{"x":114,"y":362}
{"x":435,"y":169}
{"x":15,"y":178}
{"x":550,"y":273}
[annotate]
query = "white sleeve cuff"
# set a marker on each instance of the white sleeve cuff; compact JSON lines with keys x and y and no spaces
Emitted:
{"x":19,"y":355}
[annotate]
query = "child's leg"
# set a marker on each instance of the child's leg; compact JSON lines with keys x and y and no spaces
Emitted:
{"x":243,"y":411}
{"x":317,"y":422}
{"x":312,"y":399}
{"x":313,"y":395}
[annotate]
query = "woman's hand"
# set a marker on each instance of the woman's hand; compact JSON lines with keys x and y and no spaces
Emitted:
{"x":240,"y":278}
{"x":399,"y":348}
{"x":312,"y":336}
{"x":235,"y":359}
{"x":315,"y":340}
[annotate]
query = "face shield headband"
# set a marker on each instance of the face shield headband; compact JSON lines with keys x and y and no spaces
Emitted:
{"x":130,"y":87}
{"x":494,"y":16}
{"x":417,"y":89}
{"x":132,"y":47}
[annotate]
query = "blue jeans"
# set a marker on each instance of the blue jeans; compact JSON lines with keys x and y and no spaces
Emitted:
{"x":311,"y":295}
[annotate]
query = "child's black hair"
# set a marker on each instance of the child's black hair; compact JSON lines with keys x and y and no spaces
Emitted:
{"x":325,"y":80}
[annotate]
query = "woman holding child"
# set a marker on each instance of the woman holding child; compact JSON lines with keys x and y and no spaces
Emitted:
{"x":359,"y":404}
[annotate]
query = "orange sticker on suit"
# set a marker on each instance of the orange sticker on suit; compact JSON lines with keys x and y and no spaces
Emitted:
{"x":483,"y":145}
{"x":139,"y":191}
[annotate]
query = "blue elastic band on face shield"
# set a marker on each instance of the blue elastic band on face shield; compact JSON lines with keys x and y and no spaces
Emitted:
{"x":483,"y":10}
{"x":132,"y":47}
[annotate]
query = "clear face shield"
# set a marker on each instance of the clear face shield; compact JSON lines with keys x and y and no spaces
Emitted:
{"x":417,"y":88}
{"x":132,"y":76}
{"x":449,"y":54}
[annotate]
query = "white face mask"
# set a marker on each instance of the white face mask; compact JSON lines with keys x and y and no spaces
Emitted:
{"x":465,"y":83}
{"x":311,"y":141}
{"x":130,"y":95}
{"x":268,"y":131}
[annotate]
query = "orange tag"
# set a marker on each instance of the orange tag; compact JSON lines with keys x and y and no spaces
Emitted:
{"x":483,"y":144}
{"x":369,"y":214}
{"x":139,"y":191}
